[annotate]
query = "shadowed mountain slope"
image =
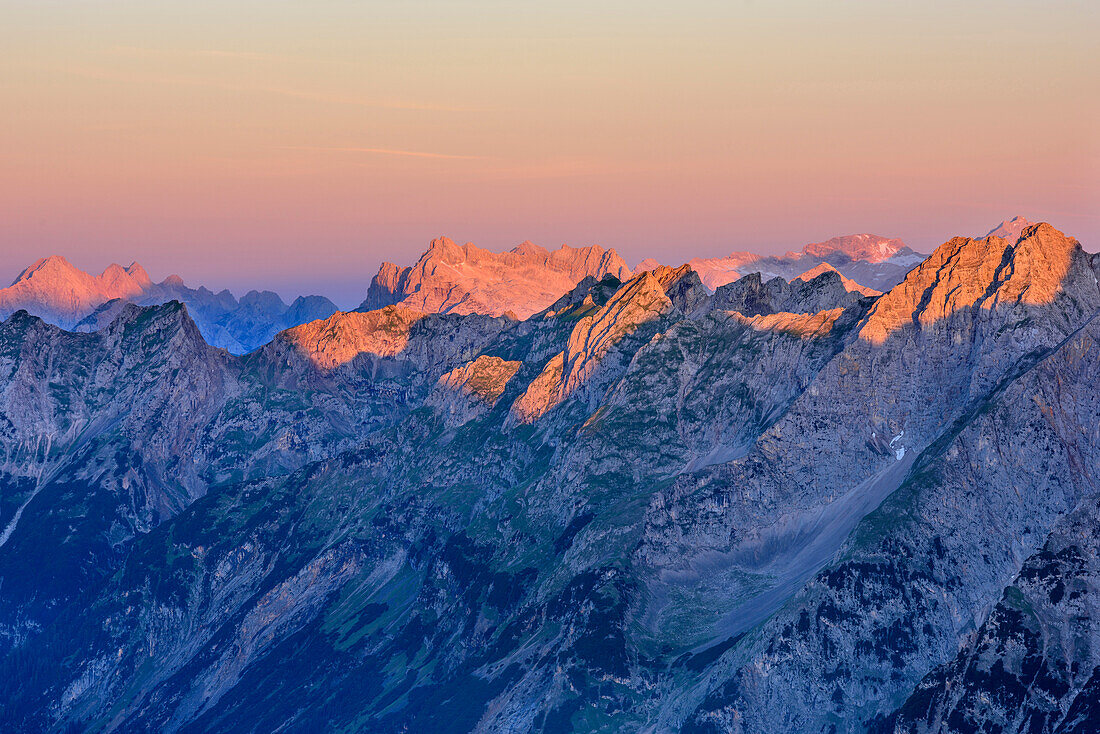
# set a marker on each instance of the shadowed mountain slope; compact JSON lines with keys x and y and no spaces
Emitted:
{"x":786,"y":506}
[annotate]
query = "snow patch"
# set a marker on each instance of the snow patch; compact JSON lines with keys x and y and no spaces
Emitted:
{"x":898,"y":452}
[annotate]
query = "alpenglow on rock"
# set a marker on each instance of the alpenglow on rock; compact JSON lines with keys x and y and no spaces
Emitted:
{"x":784,"y":506}
{"x":1010,"y":229}
{"x":866,"y":260}
{"x":58,"y":291}
{"x":452,"y":278}
{"x":62,"y":294}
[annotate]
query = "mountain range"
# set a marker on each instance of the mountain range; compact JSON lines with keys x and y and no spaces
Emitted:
{"x":772,"y":504}
{"x":875,"y":262}
{"x":448,"y":278}
{"x":62,"y":294}
{"x":452,"y":278}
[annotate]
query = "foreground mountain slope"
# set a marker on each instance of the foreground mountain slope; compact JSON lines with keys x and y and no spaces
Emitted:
{"x":396,"y":467}
{"x":919,"y":574}
{"x":98,"y":432}
{"x":1033,"y":663}
{"x":104,"y":435}
{"x":784,"y":507}
{"x":897,"y":583}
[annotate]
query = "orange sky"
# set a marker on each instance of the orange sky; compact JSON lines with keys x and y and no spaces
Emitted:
{"x":295,"y":145}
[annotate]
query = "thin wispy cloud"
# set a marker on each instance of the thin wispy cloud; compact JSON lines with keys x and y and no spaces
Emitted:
{"x":382,"y":151}
{"x":207,"y":53}
{"x":390,"y":104}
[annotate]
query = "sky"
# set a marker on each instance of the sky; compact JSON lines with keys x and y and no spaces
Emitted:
{"x":296,"y":145}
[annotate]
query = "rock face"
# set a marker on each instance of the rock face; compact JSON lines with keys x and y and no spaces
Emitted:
{"x":106,"y":434}
{"x":752,"y":296}
{"x":786,"y":506}
{"x":869,"y":261}
{"x":895,"y":596}
{"x":468,"y":391}
{"x":101,"y":439}
{"x":986,"y":273}
{"x":1033,"y":664}
{"x":451,"y":278}
{"x":337,"y":340}
{"x":639,"y":301}
{"x":66,"y":296}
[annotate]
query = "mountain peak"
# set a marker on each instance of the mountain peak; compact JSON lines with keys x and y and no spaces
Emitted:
{"x":1010,"y":229}
{"x":529,"y":248}
{"x":638,"y":301}
{"x":817,"y":270}
{"x":987,"y":272}
{"x":118,"y":282}
{"x":872,"y":261}
{"x":47,"y":266}
{"x":1041,"y":262}
{"x":263,"y":300}
{"x":849,"y":285}
{"x":137,"y":272}
{"x":441,"y":242}
{"x":444,"y":248}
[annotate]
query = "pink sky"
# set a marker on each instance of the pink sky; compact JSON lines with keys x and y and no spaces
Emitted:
{"x":296,"y":145}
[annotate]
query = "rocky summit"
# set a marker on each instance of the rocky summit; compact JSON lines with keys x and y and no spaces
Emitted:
{"x":1010,"y":229}
{"x":538,"y":492}
{"x":463,"y":279}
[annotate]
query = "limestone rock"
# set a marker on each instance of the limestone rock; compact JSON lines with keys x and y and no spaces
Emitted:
{"x":466,"y":392}
{"x":452,"y":278}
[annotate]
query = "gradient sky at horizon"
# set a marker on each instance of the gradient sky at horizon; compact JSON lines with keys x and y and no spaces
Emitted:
{"x":295,"y":145}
